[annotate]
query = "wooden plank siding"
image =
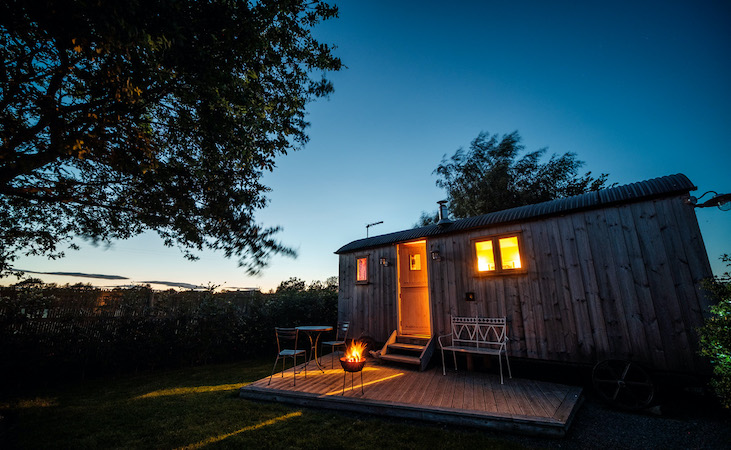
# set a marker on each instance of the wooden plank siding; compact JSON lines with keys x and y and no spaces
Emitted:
{"x":371,"y":308}
{"x":620,"y":281}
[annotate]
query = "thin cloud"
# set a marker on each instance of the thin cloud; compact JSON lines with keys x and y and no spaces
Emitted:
{"x":79,"y":274}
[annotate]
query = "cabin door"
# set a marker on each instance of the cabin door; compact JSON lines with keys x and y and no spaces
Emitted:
{"x":414,"y":317}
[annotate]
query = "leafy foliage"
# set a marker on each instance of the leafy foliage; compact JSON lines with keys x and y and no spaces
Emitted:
{"x":121,"y":117}
{"x":489,"y":177}
{"x":79,"y":330}
{"x":715,"y":335}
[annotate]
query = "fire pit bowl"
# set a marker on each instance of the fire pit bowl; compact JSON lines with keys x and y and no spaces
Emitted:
{"x":352,"y":366}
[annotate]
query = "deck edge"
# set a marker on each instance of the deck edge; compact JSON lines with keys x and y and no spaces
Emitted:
{"x":537,"y":426}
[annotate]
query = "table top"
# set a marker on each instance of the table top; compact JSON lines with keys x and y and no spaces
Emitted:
{"x":315,"y":328}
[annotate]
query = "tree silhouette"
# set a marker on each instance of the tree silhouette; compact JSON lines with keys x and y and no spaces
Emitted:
{"x":122,"y":117}
{"x":490,"y":177}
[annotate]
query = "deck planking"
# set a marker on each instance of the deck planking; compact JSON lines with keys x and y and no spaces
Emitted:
{"x":462,"y":398}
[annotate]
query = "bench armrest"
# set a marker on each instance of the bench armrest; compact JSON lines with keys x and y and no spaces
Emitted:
{"x":440,"y":339}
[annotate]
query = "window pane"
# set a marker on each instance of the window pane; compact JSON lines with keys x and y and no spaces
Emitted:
{"x":510,"y":253}
{"x":362,"y":269}
{"x":485,"y":256}
{"x":415,"y":262}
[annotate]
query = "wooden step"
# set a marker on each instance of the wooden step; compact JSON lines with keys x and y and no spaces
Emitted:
{"x":409,"y":339}
{"x":406,"y":347}
{"x":402,"y":358}
{"x":405,"y":344}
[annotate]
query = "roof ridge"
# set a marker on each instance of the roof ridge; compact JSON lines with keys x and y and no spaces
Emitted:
{"x":604,"y":197}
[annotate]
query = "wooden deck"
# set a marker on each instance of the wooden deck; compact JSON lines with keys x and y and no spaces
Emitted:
{"x":462,"y":398}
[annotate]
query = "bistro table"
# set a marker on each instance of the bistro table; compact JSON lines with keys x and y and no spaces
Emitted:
{"x":316,"y":330}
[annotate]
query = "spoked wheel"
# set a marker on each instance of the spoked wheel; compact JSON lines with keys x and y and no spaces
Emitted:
{"x":623,"y":384}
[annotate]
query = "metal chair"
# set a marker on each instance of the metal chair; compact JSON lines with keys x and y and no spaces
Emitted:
{"x":341,"y":334}
{"x":285,"y":335}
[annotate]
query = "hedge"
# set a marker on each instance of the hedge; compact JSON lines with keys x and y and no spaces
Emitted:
{"x":51,"y":333}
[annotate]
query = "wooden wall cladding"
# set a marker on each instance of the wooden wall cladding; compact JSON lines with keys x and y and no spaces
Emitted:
{"x":616,"y":282}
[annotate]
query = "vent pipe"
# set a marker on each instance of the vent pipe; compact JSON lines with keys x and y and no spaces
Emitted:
{"x":443,"y":213}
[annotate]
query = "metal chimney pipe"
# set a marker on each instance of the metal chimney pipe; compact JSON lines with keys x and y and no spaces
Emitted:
{"x":443,"y":213}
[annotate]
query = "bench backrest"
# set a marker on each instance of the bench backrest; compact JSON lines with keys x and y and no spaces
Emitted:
{"x":488,"y":332}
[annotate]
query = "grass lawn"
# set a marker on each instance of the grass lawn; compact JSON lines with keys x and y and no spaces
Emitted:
{"x":199,"y":408}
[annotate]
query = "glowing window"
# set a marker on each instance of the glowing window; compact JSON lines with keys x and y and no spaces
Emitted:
{"x":509,"y":253}
{"x":362,"y":270}
{"x":498,"y":254}
{"x":485,"y":256}
{"x":415,"y":262}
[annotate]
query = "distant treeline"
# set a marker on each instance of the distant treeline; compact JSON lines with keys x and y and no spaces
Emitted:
{"x":49,"y":332}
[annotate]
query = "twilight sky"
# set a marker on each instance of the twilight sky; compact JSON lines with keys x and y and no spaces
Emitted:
{"x":637,"y":89}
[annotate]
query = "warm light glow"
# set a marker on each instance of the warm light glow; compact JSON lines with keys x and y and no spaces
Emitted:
{"x":485,"y":256}
{"x":510,"y":253}
{"x":355,"y":352}
{"x":191,"y":390}
{"x":38,"y":402}
{"x":380,"y":380}
{"x":221,"y":437}
{"x":415,"y":262}
{"x":362,"y":274}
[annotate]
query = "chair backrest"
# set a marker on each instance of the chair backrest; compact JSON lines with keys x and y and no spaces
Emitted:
{"x":341,"y":333}
{"x":480,"y":331}
{"x":286,"y":335}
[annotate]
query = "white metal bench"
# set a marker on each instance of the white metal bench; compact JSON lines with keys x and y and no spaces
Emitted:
{"x":477,"y":335}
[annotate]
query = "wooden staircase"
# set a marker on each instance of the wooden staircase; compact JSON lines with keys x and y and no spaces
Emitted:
{"x":405,"y":349}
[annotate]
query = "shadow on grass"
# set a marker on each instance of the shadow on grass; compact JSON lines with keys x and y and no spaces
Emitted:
{"x":199,"y":407}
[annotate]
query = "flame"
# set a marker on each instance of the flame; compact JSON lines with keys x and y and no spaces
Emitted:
{"x":355,"y":352}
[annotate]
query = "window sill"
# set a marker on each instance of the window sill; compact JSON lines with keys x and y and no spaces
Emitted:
{"x":502,"y":273}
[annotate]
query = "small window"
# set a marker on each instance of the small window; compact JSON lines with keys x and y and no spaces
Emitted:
{"x":361,"y":270}
{"x":510,"y":253}
{"x":485,"y":256}
{"x":498,"y":254}
{"x":415,"y":262}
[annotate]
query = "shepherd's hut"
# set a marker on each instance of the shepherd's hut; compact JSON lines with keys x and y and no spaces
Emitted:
{"x":611,"y":274}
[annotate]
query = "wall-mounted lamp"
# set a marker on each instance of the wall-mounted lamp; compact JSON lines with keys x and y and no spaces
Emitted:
{"x":723,"y":201}
{"x":435,"y":255}
{"x":385,"y":262}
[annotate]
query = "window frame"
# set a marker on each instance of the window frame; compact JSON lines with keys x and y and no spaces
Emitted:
{"x":367,"y":257}
{"x":499,"y":271}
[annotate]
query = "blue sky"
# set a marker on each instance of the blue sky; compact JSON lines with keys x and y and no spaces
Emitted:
{"x":636,"y":89}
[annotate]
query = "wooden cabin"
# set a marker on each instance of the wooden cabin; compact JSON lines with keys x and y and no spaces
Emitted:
{"x":611,"y":274}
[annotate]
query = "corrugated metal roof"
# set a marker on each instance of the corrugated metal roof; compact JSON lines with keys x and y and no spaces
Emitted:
{"x":667,"y":185}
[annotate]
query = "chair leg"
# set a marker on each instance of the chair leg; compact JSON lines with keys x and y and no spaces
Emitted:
{"x":294,"y":370}
{"x":500,"y":360}
{"x":272,"y":374}
{"x":444,"y":370}
{"x":510,"y":374}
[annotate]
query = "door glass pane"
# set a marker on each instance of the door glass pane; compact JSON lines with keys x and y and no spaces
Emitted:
{"x":510,"y":253}
{"x":415,"y":262}
{"x":485,"y":256}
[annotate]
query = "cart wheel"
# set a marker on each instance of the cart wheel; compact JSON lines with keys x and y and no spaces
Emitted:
{"x":623,"y":384}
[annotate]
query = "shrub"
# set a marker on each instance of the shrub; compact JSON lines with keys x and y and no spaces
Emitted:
{"x":50,"y":332}
{"x":715,"y":335}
